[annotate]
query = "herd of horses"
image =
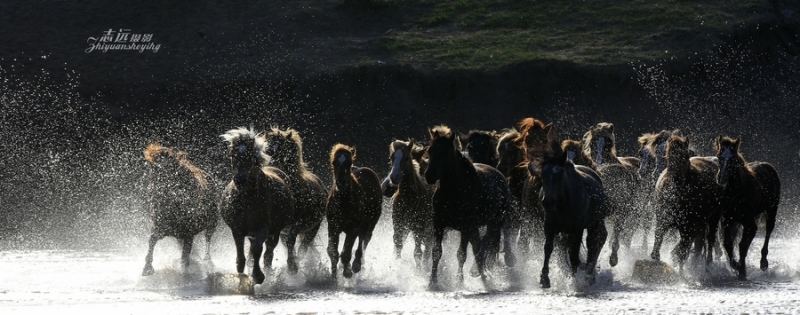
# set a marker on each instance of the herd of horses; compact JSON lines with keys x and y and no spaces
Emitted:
{"x":506,"y":192}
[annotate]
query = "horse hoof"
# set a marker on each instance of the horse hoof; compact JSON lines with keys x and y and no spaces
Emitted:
{"x":258,"y":277}
{"x":474,"y":271}
{"x":613,"y":260}
{"x":764,"y":265}
{"x":356,"y":267}
{"x":434,"y":286}
{"x":148,"y":270}
{"x":511,"y":260}
{"x":292,"y":269}
{"x":544,"y":282}
{"x":347,"y":273}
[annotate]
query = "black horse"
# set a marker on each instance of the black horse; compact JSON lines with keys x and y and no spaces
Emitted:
{"x":182,"y":202}
{"x":481,"y":146}
{"x":258,"y":202}
{"x":469,"y":196}
{"x":686,"y":199}
{"x":285,"y":148}
{"x":573,"y":200}
{"x":354,"y":207}
{"x":750,"y":190}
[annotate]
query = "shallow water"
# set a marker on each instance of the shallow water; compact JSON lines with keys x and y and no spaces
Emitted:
{"x":57,"y":281}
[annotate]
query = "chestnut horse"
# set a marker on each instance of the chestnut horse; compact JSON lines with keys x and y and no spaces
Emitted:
{"x":353,"y":208}
{"x":182,"y":202}
{"x":750,"y":191}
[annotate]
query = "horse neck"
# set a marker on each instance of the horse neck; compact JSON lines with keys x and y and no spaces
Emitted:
{"x":459,"y":173}
{"x":410,"y":181}
{"x":738,"y":171}
{"x":295,"y":168}
{"x":678,"y":167}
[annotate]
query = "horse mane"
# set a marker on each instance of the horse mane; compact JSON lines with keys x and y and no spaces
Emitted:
{"x":661,"y":136}
{"x":603,"y":129}
{"x":154,"y":149}
{"x":294,"y":136}
{"x":526,"y":125}
{"x":440,"y":131}
{"x":259,"y":139}
{"x":337,"y":147}
{"x":646,"y":139}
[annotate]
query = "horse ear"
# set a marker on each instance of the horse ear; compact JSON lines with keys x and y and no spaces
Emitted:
{"x":737,"y":142}
{"x":353,"y":157}
{"x":411,"y":143}
{"x":432,"y":133}
{"x":548,"y":127}
{"x":289,"y":134}
{"x":611,"y":127}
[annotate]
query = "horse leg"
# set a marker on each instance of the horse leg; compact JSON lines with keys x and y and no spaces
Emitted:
{"x":461,"y":255}
{"x":291,"y":259}
{"x":418,"y":249}
{"x":436,"y":256}
{"x":681,"y":251}
{"x":256,"y":247}
{"x":574,"y":238}
{"x":747,"y":237}
{"x":308,"y":240}
{"x":347,"y":253}
{"x":509,"y":234}
{"x":333,"y":251}
{"x":524,"y":241}
{"x":238,"y":239}
{"x":595,"y":237}
{"x":765,"y":250}
{"x":209,"y":234}
{"x":400,"y":234}
{"x":661,"y":229}
{"x":363,"y":242}
{"x":544,"y":280}
{"x":728,"y":230}
{"x":148,"y":260}
{"x":613,"y":259}
{"x":186,"y":252}
{"x":711,"y":240}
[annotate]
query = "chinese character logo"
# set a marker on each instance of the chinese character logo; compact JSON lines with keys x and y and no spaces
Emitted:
{"x":122,"y":39}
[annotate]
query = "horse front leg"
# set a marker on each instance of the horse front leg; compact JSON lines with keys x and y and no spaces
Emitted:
{"x":574,"y":238}
{"x":748,"y":233}
{"x":291,"y":259}
{"x":436,"y":256}
{"x":765,"y":250}
{"x":728,"y":230}
{"x":333,"y":251}
{"x":209,"y":233}
{"x":613,"y":259}
{"x":661,"y":229}
{"x":400,"y":234}
{"x":544,"y":280}
{"x":308,"y":240}
{"x":256,"y":248}
{"x":148,"y":260}
{"x":241,"y":260}
{"x":418,"y":240}
{"x":509,"y":236}
{"x":186,"y":252}
{"x":347,"y":254}
{"x":681,"y":251}
{"x":595,"y":237}
{"x":363,"y":242}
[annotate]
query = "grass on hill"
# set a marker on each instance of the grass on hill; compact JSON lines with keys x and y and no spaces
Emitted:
{"x":485,"y":34}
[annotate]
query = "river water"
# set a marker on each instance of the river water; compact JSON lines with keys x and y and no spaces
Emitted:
{"x":108,"y":281}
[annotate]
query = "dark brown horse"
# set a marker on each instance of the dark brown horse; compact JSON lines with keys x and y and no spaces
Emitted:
{"x":258,"y":202}
{"x":750,"y":191}
{"x":353,"y":208}
{"x":411,"y":203}
{"x":481,"y":146}
{"x":573,"y":201}
{"x":620,"y":179}
{"x":469,"y":196}
{"x":182,"y":202}
{"x":285,"y":148}
{"x":418,"y":153}
{"x":687,"y":199}
{"x":512,"y":164}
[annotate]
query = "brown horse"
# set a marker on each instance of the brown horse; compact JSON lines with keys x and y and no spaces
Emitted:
{"x":353,"y":208}
{"x":576,"y":154}
{"x":411,"y":203}
{"x":533,"y":140}
{"x":181,"y":199}
{"x":258,"y":203}
{"x":419,"y":154}
{"x":687,"y":199}
{"x":511,"y":157}
{"x":750,"y":190}
{"x":620,"y":180}
{"x":285,"y":148}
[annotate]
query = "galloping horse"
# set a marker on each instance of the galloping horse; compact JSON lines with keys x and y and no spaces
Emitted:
{"x":687,"y":199}
{"x":258,"y":202}
{"x":353,"y":208}
{"x":411,"y":203}
{"x":469,"y":196}
{"x":750,"y":190}
{"x":285,"y":148}
{"x":182,"y":202}
{"x":573,"y":200}
{"x":512,"y":164}
{"x":620,"y":180}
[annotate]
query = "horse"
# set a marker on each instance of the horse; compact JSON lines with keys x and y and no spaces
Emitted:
{"x":418,"y":153}
{"x":621,"y":181}
{"x":181,"y":201}
{"x":411,"y":203}
{"x":353,"y":208}
{"x":469,"y":196}
{"x":573,"y":199}
{"x":576,"y":154}
{"x":285,"y":149}
{"x":257,"y":203}
{"x":687,"y":198}
{"x":481,"y":146}
{"x":750,"y":191}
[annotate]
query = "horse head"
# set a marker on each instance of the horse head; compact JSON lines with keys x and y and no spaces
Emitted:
{"x":442,"y":152}
{"x":600,"y":142}
{"x":341,"y":160}
{"x":245,"y":151}
{"x":535,"y":136}
{"x":728,"y":156}
{"x":481,"y":146}
{"x":510,"y":151}
{"x":678,"y":155}
{"x":401,"y":156}
{"x":553,"y":173}
{"x":285,"y":149}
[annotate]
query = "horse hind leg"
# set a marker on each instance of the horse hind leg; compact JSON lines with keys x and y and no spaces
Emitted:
{"x":308,"y":240}
{"x":148,"y":260}
{"x":765,"y":250}
{"x":347,"y":254}
{"x":186,"y":252}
